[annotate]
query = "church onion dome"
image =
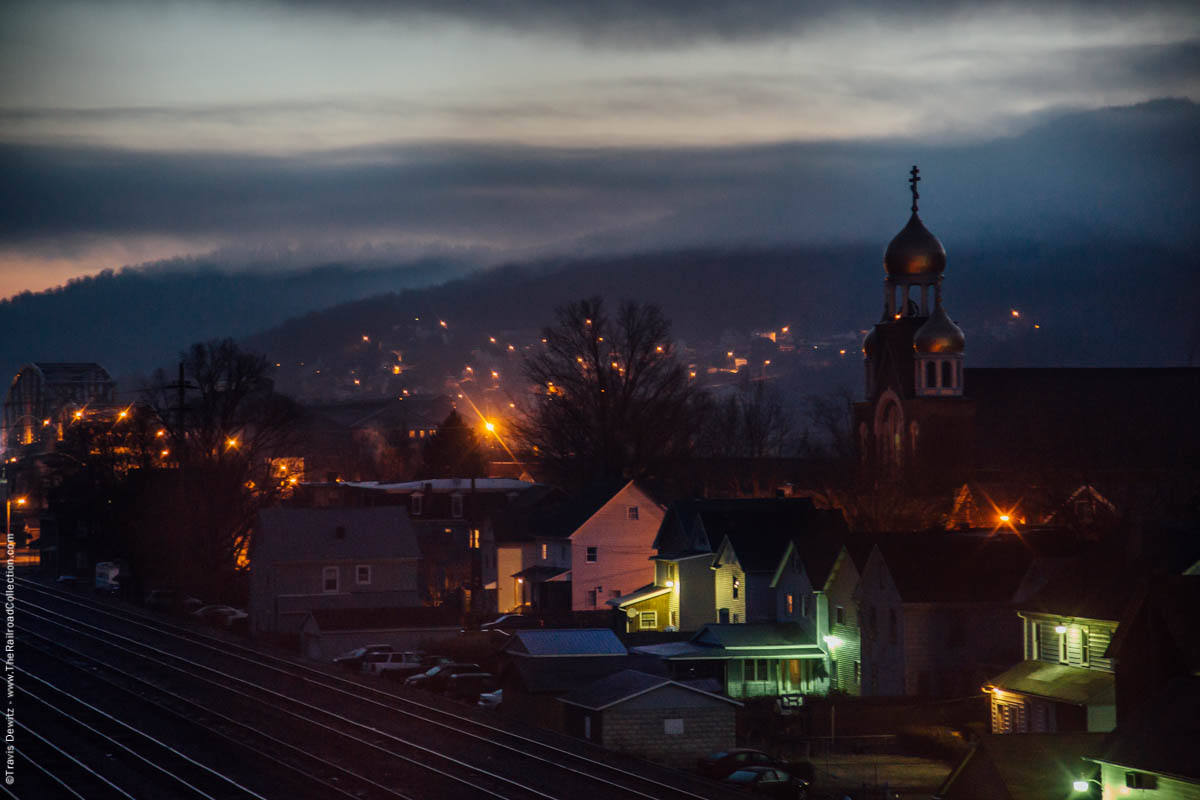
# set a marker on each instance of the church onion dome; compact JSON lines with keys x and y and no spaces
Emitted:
{"x":914,"y":251}
{"x":939,"y":334}
{"x":870,"y":344}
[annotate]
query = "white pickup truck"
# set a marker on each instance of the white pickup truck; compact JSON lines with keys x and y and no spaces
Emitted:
{"x":379,"y":663}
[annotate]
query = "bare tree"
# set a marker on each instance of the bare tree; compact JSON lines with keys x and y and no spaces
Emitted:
{"x":612,"y":399}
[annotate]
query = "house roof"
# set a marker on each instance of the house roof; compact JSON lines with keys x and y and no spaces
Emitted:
{"x":545,"y":642}
{"x":1076,"y":685}
{"x":539,"y":573}
{"x":638,"y":595}
{"x":1163,"y":735}
{"x":740,"y":641}
{"x":626,"y":685}
{"x":304,"y":534}
{"x":758,"y":528}
{"x":1029,"y":766}
{"x":561,"y":519}
{"x":557,"y":675}
{"x":955,"y":566}
{"x":1171,"y":601}
{"x":1094,"y":587}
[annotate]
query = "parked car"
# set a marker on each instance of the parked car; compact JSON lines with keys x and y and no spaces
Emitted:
{"x":162,"y":599}
{"x":769,"y":781}
{"x":382,"y":663}
{"x":469,"y":685}
{"x":718,"y":765}
{"x":402,"y":673}
{"x":491,"y":700}
{"x":434,"y":679}
{"x":353,"y":659}
{"x":221,"y":616}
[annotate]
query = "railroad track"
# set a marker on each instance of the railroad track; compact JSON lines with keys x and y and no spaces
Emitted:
{"x":499,"y":760}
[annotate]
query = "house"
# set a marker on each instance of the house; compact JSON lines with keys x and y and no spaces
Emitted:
{"x":543,"y":664}
{"x":717,"y":560}
{"x":455,"y":523}
{"x":326,"y":632}
{"x":763,"y":659}
{"x":1069,"y":608}
{"x":1157,"y":655}
{"x":1040,"y":766}
{"x":652,"y":717}
{"x":305,"y":559}
{"x":577,"y":552}
{"x":936,"y":608}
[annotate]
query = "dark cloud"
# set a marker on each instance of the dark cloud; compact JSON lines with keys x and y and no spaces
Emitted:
{"x":636,"y":23}
{"x":1118,"y":171}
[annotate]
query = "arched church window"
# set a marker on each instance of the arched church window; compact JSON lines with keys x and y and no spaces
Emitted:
{"x":892,"y":432}
{"x":947,"y":374}
{"x":930,"y":375}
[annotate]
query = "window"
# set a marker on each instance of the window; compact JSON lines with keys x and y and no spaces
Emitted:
{"x":1062,"y":644}
{"x":760,"y":669}
{"x":473,"y":539}
{"x":857,"y":673}
{"x":362,"y":574}
{"x":673,"y":727}
{"x":648,"y":620}
{"x":329,"y":579}
{"x":1035,"y":644}
{"x":1141,"y":780}
{"x":947,"y":374}
{"x":591,"y":598}
{"x":631,"y":512}
{"x":790,"y":606}
{"x":417,"y":502}
{"x":545,"y":551}
{"x":841,"y":615}
{"x":456,"y":505}
{"x":1084,"y":653}
{"x":737,"y":584}
{"x":590,"y":555}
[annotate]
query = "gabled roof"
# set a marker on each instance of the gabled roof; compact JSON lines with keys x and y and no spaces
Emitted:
{"x":755,"y":635}
{"x":758,"y":528}
{"x":1095,"y":587}
{"x":563,"y":518}
{"x":626,"y":685}
{"x":549,"y":642}
{"x":1163,"y":735}
{"x":1027,"y":766}
{"x":1168,"y":603}
{"x":1066,"y":684}
{"x":539,"y":573}
{"x":955,"y":566}
{"x":638,"y":595}
{"x":302,"y":534}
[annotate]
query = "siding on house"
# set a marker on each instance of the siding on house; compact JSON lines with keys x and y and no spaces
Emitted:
{"x":723,"y":582}
{"x":1099,"y":634}
{"x":624,"y":547}
{"x":697,"y":593}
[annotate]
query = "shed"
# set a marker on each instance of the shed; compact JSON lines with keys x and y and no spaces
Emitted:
{"x":651,"y":716}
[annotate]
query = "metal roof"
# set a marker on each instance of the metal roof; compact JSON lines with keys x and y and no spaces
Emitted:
{"x":1076,"y":685}
{"x":566,"y":642}
{"x":626,"y":685}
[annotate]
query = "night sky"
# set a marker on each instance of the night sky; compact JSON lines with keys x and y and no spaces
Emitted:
{"x":138,"y":131}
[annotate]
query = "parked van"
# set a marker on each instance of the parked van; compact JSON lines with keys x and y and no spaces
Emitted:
{"x":380,"y":663}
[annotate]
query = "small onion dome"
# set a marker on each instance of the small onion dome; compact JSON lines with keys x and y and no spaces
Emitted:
{"x":914,"y":251}
{"x":939,"y":334}
{"x":870,"y":344}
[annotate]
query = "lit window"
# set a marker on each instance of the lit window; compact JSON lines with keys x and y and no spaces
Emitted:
{"x":790,"y":606}
{"x":1062,"y":643}
{"x":474,"y":538}
{"x":412,"y":433}
{"x":590,"y":555}
{"x":417,"y":502}
{"x":1084,"y":653}
{"x":648,"y":620}
{"x":737,"y":584}
{"x":631,"y":512}
{"x":545,"y":551}
{"x":456,"y":505}
{"x":329,"y":579}
{"x":362,"y":574}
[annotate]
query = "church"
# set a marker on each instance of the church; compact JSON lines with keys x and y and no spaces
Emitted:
{"x":1032,"y":445}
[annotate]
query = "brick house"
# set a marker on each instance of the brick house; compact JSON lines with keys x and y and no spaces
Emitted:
{"x":652,"y":717}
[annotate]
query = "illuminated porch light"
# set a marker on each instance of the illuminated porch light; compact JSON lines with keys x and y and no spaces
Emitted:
{"x":1080,"y":786}
{"x":1060,"y":629}
{"x":1005,"y":517}
{"x":670,"y":584}
{"x":834,"y":641}
{"x":22,"y":501}
{"x":520,"y":580}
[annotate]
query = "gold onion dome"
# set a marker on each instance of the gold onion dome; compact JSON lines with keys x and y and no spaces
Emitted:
{"x":939,"y":334}
{"x":914,"y":250}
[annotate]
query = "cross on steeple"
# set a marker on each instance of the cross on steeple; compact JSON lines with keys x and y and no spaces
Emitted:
{"x":913,"y":181}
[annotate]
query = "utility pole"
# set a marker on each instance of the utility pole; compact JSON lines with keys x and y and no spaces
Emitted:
{"x":181,"y":386}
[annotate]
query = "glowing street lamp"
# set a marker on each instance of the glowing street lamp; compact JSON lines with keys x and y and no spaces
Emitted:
{"x":490,"y":426}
